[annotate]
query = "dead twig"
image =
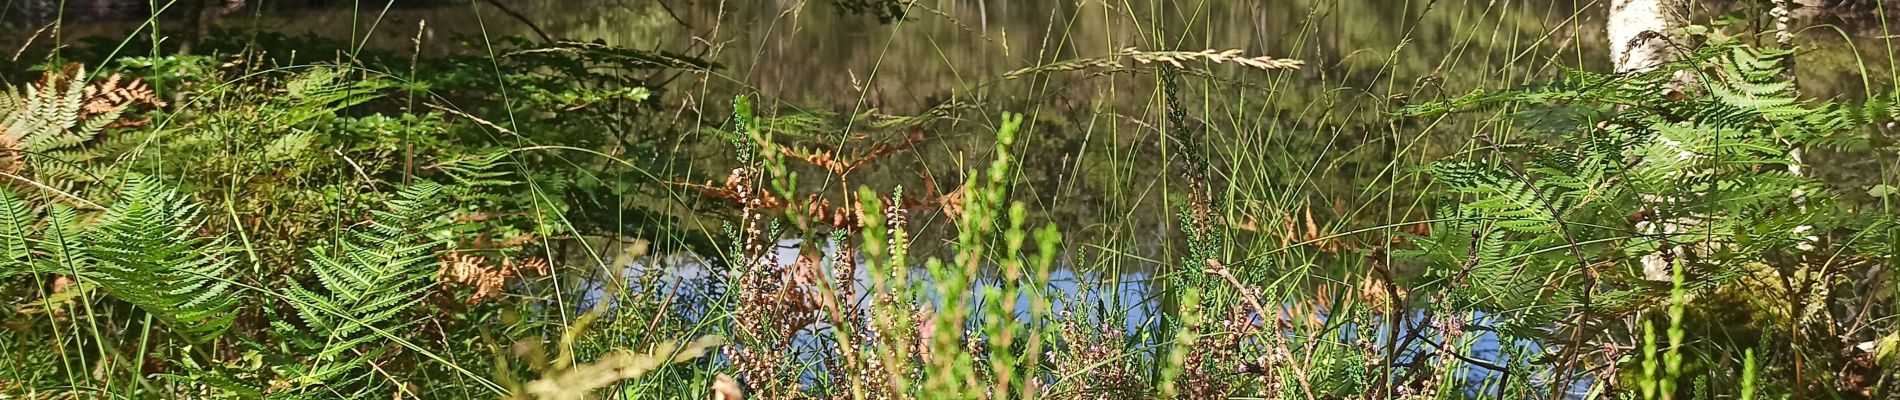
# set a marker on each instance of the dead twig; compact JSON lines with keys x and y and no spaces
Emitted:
{"x":1279,"y":344}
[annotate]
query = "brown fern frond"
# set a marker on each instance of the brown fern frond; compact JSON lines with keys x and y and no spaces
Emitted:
{"x":886,"y":148}
{"x":109,"y":96}
{"x":60,"y":111}
{"x":833,"y":162}
{"x":9,"y":154}
{"x":488,"y":280}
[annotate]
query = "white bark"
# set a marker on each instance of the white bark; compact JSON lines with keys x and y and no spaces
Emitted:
{"x":1783,"y":13}
{"x":1641,"y":32}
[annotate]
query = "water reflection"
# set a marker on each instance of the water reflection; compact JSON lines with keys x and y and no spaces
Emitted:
{"x":1098,"y":158}
{"x":1086,"y":298}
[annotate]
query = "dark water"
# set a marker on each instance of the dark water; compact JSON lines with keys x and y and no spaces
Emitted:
{"x":1094,"y":152}
{"x":1315,"y":144}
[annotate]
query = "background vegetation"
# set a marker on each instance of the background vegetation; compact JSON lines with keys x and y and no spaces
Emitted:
{"x":1317,"y":199}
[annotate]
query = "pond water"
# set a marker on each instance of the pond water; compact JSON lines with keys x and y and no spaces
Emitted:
{"x":1094,"y":159}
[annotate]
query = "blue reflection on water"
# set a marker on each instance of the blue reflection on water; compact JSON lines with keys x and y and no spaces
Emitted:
{"x":1089,"y":295}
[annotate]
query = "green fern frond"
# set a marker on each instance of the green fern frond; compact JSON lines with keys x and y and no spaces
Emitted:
{"x":1712,"y":160}
{"x":16,"y":226}
{"x":322,"y":91}
{"x":49,"y":115}
{"x":52,"y":132}
{"x":230,"y":386}
{"x":148,"y":253}
{"x":479,"y":170}
{"x":1502,"y":198}
{"x":374,"y":274}
{"x":61,"y":242}
{"x":289,"y":146}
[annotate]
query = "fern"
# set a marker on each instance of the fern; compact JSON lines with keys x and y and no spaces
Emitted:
{"x":47,"y":114}
{"x":480,"y":169}
{"x":1710,"y":161}
{"x":148,"y":253}
{"x":16,"y":227}
{"x":374,"y":274}
{"x":59,"y":124}
{"x":324,"y":90}
{"x":61,"y":243}
{"x":1509,"y":203}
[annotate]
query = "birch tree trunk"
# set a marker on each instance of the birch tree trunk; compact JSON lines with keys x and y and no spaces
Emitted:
{"x":1783,"y":13}
{"x":1640,"y":32}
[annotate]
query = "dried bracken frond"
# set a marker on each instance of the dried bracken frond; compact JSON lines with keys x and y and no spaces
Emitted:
{"x":535,"y":264}
{"x":952,"y":203}
{"x":1379,"y":294}
{"x":517,"y":241}
{"x":10,"y":154}
{"x":1306,"y":230}
{"x":58,"y":117}
{"x":471,"y":270}
{"x":110,"y":96}
{"x":487,"y":280}
{"x":818,"y":209}
{"x":836,"y":164}
{"x":812,"y":206}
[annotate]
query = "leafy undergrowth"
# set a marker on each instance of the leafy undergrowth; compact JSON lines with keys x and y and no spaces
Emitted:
{"x":329,"y":231}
